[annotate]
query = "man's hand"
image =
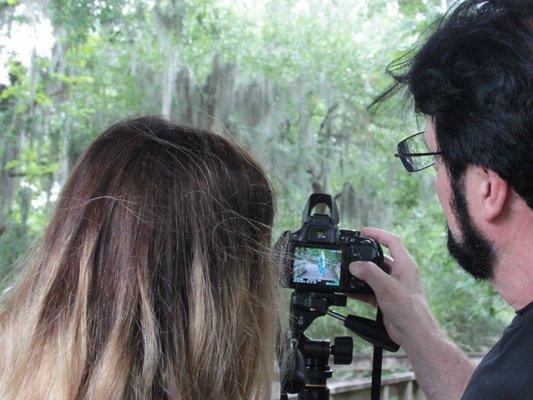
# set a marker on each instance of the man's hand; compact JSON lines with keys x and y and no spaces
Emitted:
{"x":442,"y":369}
{"x":399,"y":294}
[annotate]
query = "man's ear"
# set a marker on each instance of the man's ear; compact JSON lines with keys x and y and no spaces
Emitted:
{"x":494,"y":191}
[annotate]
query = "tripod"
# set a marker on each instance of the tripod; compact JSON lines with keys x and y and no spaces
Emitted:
{"x":310,"y":368}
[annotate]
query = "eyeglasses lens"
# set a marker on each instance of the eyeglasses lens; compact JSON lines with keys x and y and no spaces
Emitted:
{"x":413,"y":145}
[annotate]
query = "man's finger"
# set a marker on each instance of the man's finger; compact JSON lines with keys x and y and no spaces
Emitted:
{"x":379,"y":280}
{"x":388,"y":239}
{"x":387,"y":263}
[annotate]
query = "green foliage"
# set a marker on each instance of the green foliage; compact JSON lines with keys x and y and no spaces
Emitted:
{"x":324,"y":62}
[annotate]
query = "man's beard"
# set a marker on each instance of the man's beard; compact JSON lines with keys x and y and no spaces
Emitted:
{"x":475,"y":254}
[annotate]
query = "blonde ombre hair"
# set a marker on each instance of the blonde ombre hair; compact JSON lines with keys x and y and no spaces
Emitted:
{"x":153,"y":279}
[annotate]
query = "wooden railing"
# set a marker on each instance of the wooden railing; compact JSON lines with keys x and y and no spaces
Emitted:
{"x":394,"y":386}
{"x":397,"y":386}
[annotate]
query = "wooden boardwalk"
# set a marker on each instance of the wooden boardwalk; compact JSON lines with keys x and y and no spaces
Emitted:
{"x":400,"y":385}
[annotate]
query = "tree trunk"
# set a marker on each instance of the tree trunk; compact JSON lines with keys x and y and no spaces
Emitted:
{"x":169,"y":17}
{"x":58,"y":66}
{"x":7,"y":183}
{"x":169,"y":82}
{"x":218,"y":96}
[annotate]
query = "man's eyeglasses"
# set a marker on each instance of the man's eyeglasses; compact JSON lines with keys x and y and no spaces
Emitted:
{"x":415,"y":154}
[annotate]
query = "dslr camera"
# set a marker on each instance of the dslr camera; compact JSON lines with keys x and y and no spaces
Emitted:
{"x":316,"y":256}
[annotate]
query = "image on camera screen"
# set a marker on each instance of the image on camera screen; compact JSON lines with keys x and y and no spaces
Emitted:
{"x":316,"y":266}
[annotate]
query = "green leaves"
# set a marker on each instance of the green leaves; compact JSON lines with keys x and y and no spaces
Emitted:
{"x":30,"y":165}
{"x":310,"y":69}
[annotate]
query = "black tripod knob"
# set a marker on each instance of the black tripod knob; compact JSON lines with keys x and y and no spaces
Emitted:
{"x":342,"y":350}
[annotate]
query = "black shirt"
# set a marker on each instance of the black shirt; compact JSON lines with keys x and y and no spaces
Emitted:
{"x":506,"y":372}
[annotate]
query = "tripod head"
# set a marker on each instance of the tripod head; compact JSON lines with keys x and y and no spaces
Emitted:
{"x":310,"y":366}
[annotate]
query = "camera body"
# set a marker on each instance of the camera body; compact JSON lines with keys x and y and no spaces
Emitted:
{"x":318,"y":255}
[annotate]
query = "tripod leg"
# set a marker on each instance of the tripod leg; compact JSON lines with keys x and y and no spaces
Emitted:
{"x":314,"y":394}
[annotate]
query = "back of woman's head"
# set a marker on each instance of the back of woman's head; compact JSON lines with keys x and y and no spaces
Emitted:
{"x":153,"y":278}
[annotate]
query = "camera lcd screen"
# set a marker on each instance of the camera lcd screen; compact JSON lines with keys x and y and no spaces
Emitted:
{"x":317,"y":266}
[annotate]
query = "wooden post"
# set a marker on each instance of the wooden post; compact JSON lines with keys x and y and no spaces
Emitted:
{"x":407,"y":391}
{"x":385,"y":392}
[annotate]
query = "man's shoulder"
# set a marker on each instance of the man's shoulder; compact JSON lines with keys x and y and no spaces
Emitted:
{"x":505,"y":372}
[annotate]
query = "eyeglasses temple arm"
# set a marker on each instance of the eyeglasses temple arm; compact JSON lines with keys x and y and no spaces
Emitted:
{"x":436,"y":153}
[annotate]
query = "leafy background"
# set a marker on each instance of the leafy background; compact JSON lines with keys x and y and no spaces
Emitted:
{"x":288,"y":79}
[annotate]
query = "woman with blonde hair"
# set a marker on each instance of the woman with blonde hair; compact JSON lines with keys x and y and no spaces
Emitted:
{"x":153,"y":279}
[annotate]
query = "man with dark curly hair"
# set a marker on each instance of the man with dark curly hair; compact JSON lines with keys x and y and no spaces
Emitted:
{"x":473,"y":80}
